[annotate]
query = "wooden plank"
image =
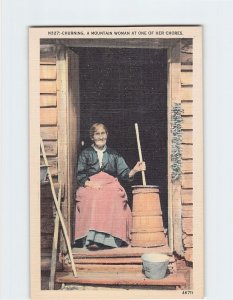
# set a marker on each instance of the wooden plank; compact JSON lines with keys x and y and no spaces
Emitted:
{"x":48,"y":60}
{"x":187,"y":166}
{"x":117,"y":43}
{"x":62,"y":93}
{"x":187,"y":225}
{"x":186,"y":93}
{"x":186,"y":58}
{"x":50,"y":148}
{"x":46,"y":189}
{"x":186,"y":68}
{"x":48,"y":86}
{"x":47,"y":50}
{"x":187,"y":108}
{"x":187,"y":196}
{"x":46,"y":206}
{"x":46,"y":196}
{"x":175,"y":80}
{"x":46,"y":263}
{"x":73,"y":123}
{"x":47,"y":224}
{"x":187,"y":181}
{"x":46,"y":253}
{"x":46,"y":241}
{"x":55,"y":244}
{"x":187,"y":123}
{"x":121,"y":278}
{"x":120,"y":252}
{"x":188,"y":241}
{"x":188,"y":254}
{"x":187,"y":136}
{"x":49,"y":100}
{"x":48,"y":133}
{"x":186,"y":46}
{"x":176,"y":198}
{"x":115,"y":260}
{"x":104,"y":268}
{"x":48,"y":210}
{"x":186,"y":151}
{"x":187,"y":211}
{"x":174,"y":87}
{"x":48,"y":116}
{"x":48,"y":72}
{"x":186,"y":78}
{"x":46,"y":202}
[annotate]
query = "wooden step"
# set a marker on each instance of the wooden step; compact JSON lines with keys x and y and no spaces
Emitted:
{"x":109,"y":260}
{"x":46,"y":264}
{"x":120,"y":278}
{"x":105,"y":263}
{"x":105,"y":268}
{"x":127,"y":259}
{"x":120,"y":252}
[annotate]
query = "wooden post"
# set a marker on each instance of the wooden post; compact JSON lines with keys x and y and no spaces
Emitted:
{"x":174,"y":187}
{"x":54,"y":249}
{"x":140,"y":153}
{"x":59,"y":211}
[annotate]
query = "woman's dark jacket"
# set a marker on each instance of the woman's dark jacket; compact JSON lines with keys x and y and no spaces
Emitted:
{"x":113,"y":164}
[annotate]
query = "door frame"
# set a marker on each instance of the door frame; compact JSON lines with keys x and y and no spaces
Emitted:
{"x":173,"y":95}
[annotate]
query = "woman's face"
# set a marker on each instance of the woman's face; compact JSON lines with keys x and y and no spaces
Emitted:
{"x":100,"y":137}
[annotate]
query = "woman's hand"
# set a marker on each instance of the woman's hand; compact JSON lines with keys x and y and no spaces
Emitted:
{"x":140,"y":166}
{"x":93,"y":185}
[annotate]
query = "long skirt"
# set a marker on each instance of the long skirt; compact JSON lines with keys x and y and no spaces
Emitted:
{"x":103,"y":215}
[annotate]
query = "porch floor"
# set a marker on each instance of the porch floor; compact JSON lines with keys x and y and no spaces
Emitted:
{"x":121,"y":278}
{"x":120,"y":252}
{"x":116,"y":267}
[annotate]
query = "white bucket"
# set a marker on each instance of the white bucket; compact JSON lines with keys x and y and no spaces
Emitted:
{"x":155,"y":265}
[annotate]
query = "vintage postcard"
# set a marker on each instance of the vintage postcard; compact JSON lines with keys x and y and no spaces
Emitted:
{"x":116,"y":162}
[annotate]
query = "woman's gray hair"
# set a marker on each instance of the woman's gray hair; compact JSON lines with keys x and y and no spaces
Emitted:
{"x":94,"y":128}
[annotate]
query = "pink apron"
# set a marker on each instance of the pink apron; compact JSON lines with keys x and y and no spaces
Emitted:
{"x":103,"y":210}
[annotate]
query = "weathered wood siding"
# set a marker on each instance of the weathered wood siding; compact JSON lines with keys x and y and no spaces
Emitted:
{"x":186,"y":80}
{"x":59,"y":129}
{"x":49,"y":134}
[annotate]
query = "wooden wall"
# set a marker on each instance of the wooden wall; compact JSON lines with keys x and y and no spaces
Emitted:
{"x":186,"y":57}
{"x":49,"y":134}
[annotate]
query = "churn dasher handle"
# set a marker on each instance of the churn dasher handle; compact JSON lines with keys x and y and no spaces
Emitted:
{"x":140,"y":153}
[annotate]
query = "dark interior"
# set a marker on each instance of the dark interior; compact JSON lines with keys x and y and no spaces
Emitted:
{"x":121,"y":86}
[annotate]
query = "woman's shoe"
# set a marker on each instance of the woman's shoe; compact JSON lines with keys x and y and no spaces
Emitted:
{"x":93,"y":247}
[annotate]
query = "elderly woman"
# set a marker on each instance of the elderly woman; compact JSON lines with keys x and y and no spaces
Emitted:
{"x":103,"y":216}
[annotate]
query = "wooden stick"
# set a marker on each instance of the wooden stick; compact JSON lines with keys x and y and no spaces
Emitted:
{"x":59,"y":211}
{"x":54,"y":249}
{"x":140,"y":153}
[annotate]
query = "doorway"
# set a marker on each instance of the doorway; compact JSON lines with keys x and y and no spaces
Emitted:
{"x":121,"y":86}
